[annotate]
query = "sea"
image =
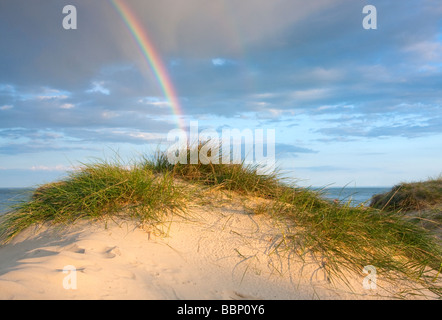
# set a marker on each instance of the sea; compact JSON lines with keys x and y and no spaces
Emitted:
{"x":352,"y":195}
{"x":10,"y":197}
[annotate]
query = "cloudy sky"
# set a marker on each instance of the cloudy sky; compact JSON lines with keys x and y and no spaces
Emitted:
{"x":350,"y":106}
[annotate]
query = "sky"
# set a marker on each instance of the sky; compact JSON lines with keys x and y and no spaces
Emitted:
{"x":350,"y":106}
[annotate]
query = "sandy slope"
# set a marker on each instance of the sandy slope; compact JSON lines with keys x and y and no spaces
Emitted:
{"x":217,"y":254}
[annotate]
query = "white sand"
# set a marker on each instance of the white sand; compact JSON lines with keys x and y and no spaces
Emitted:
{"x":219,"y":254}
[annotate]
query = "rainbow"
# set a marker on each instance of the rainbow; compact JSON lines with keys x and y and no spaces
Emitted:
{"x":152,"y":57}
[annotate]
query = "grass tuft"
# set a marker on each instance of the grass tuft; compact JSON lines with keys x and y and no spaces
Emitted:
{"x":98,"y":191}
{"x":349,"y":238}
{"x":407,"y":197}
{"x":240,"y":177}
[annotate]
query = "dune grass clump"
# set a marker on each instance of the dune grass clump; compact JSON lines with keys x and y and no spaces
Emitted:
{"x":407,"y":197}
{"x":238,"y":177}
{"x":97,"y":191}
{"x":342,"y":237}
{"x":420,"y":202}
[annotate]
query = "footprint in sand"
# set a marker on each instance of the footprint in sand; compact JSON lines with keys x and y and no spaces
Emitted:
{"x":75,"y":249}
{"x":111,"y":252}
{"x":40,"y":253}
{"x":107,"y":252}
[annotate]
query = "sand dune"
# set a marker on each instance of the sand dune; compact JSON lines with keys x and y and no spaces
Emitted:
{"x":218,"y":253}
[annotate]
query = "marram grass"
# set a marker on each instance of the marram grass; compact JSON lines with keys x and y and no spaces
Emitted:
{"x":241,"y":178}
{"x":415,"y":196}
{"x":343,"y":237}
{"x":98,"y":191}
{"x":340,"y":237}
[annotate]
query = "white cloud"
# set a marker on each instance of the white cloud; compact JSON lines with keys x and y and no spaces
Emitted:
{"x":322,"y":74}
{"x":147,"y":136}
{"x":310,"y":94}
{"x":334,"y":107}
{"x":218,"y":62}
{"x":42,"y":97}
{"x":98,"y":87}
{"x":426,"y":50}
{"x":52,"y":94}
{"x":154,"y":101}
{"x":265,"y":95}
{"x":109,"y":114}
{"x":67,"y":106}
{"x":7,"y":88}
{"x":59,"y":167}
{"x":44,"y":94}
{"x":6,"y":107}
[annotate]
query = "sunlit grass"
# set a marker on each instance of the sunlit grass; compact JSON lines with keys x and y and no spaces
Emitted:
{"x":241,"y":177}
{"x":343,"y":237}
{"x":339,"y":236}
{"x":413,"y":196}
{"x":98,"y":191}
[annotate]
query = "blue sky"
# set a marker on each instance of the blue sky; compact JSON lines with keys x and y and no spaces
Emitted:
{"x":350,"y":106}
